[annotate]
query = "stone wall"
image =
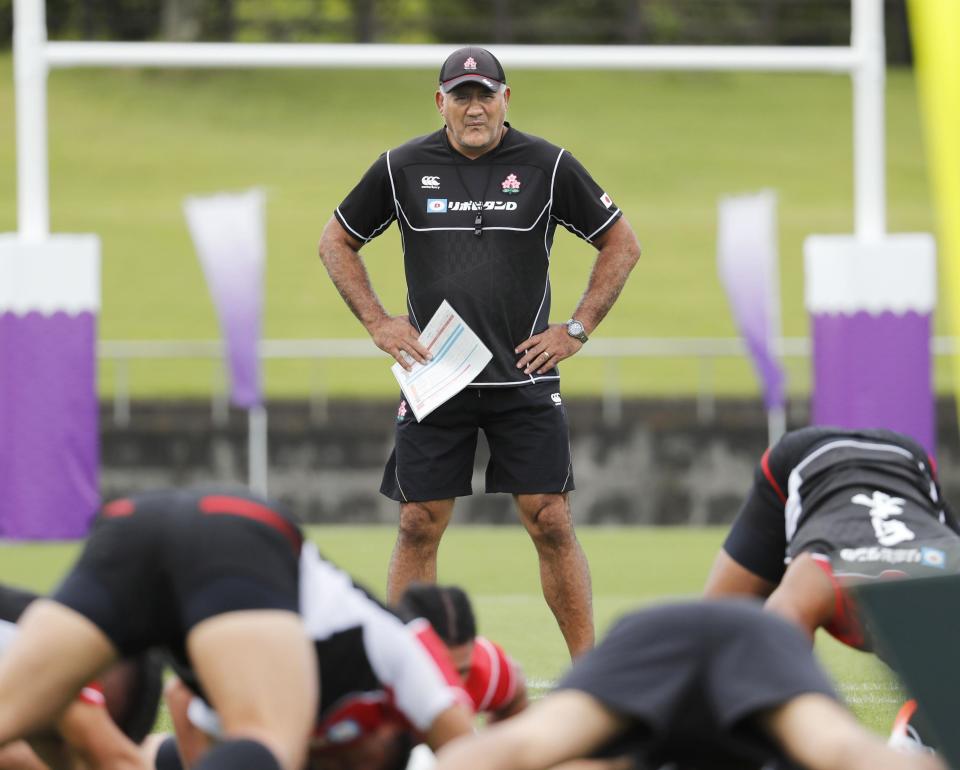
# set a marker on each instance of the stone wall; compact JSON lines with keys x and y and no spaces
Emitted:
{"x":658,"y":462}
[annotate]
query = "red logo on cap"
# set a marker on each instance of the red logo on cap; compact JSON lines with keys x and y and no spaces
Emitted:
{"x":470,"y":63}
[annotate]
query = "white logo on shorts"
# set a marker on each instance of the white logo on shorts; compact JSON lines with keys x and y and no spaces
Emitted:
{"x":555,"y":397}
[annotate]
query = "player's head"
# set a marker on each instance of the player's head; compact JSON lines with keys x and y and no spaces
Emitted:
{"x":472,"y":98}
{"x":131,"y":690}
{"x":448,"y":610}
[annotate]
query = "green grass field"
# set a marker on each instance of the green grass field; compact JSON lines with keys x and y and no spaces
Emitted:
{"x":631,"y":567}
{"x":126,"y":146}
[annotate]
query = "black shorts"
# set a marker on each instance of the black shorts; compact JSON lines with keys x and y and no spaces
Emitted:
{"x":526,"y":429}
{"x":690,"y":675}
{"x":157,"y":564}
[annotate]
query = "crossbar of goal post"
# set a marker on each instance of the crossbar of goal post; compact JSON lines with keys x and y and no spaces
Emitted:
{"x":863,"y":60}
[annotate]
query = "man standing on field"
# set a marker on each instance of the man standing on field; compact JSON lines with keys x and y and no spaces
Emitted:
{"x":477,"y":204}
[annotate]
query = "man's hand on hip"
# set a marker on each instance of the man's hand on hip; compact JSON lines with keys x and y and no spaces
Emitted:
{"x":395,"y":336}
{"x":541,"y":352}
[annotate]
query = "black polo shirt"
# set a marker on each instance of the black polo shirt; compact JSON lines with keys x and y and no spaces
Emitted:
{"x":498,"y":281}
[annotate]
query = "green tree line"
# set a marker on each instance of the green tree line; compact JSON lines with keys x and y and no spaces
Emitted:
{"x":747,"y":22}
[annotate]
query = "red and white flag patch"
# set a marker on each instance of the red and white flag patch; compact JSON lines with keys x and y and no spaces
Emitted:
{"x":606,"y":200}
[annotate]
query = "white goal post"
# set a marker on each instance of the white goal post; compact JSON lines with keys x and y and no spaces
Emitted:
{"x":863,"y":60}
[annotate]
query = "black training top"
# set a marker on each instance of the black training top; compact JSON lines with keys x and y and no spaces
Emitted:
{"x":815,"y":469}
{"x":13,"y":602}
{"x":478,"y":233}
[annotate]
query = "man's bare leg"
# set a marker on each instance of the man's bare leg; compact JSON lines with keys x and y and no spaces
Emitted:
{"x":564,"y":572}
{"x":414,"y":557}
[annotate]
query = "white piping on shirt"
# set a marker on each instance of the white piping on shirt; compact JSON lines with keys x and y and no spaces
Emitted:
{"x":793,"y":509}
{"x":494,"y":680}
{"x":360,"y":237}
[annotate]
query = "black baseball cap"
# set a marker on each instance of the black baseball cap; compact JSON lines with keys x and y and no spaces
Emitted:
{"x":471,"y":64}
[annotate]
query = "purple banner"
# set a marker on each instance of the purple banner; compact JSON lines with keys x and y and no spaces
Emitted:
{"x":871,"y":305}
{"x":229,"y":235}
{"x":874,"y":371}
{"x":49,"y":450}
{"x":747,"y":263}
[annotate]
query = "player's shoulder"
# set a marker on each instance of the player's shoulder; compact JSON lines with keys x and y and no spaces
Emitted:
{"x":13,"y":602}
{"x":795,"y":445}
{"x":821,"y":437}
{"x":428,"y":148}
{"x":531,"y":149}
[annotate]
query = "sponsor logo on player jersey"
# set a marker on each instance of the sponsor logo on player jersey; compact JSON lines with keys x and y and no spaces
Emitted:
{"x":606,"y":200}
{"x":484,"y":205}
{"x":430,"y":182}
{"x":510,"y":185}
{"x":885,"y":555}
{"x":436,"y":205}
{"x":933,"y":557}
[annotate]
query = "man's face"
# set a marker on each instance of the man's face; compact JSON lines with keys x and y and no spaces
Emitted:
{"x":474,"y":116}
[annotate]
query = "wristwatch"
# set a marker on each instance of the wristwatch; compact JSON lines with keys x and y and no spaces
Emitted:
{"x":575,"y":330}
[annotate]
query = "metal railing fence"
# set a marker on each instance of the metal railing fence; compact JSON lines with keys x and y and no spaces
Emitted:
{"x":612,"y":351}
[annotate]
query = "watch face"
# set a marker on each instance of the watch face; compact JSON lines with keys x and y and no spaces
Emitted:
{"x":574,"y":328}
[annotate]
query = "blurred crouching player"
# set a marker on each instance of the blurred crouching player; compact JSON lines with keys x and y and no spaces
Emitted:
{"x":386,"y":687}
{"x":102,"y":728}
{"x":212,"y":577}
{"x":831,"y":508}
{"x":718,"y":685}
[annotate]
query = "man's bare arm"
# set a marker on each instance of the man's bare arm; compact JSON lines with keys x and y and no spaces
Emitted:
{"x":340,"y":254}
{"x":563,"y":726}
{"x":450,"y":723}
{"x":729,"y":578}
{"x":819,"y":734}
{"x":618,"y":253}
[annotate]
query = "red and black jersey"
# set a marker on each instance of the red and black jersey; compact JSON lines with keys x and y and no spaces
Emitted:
{"x":478,"y":233}
{"x":818,"y":470}
{"x":494,"y":677}
{"x":373,"y":669}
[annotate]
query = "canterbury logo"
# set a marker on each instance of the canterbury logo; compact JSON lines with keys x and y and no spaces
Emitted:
{"x":430,"y":182}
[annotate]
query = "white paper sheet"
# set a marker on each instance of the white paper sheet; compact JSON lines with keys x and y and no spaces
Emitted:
{"x":458,"y":357}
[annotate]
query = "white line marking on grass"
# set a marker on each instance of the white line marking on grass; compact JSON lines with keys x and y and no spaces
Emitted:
{"x":866,"y":693}
{"x":539,"y":687}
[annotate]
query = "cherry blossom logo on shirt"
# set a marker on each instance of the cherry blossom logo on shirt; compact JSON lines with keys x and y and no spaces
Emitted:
{"x":470,"y":63}
{"x":402,"y":410}
{"x":510,"y":185}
